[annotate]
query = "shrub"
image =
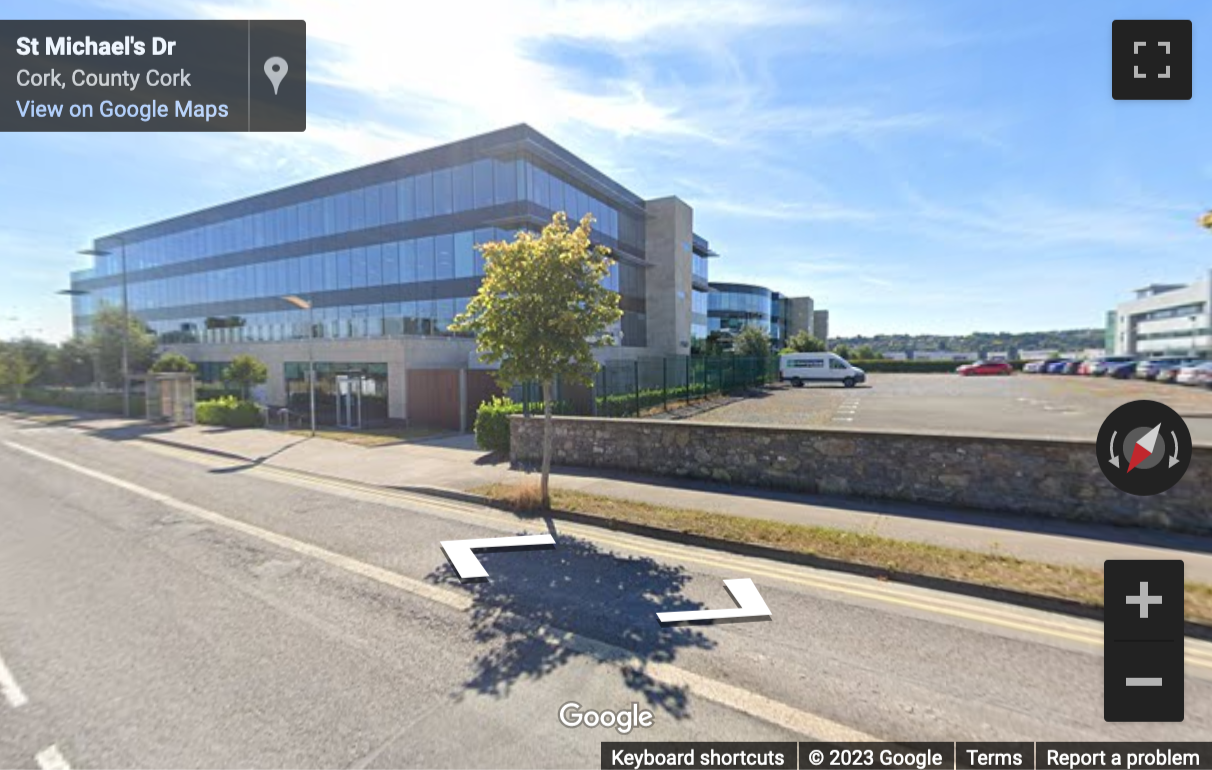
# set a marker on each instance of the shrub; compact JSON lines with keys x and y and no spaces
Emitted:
{"x":85,"y":400}
{"x":492,"y":423}
{"x":229,"y":412}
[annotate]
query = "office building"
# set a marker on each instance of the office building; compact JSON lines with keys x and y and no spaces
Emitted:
{"x":733,"y":306}
{"x":820,"y":325}
{"x":1164,"y":320}
{"x":385,"y":254}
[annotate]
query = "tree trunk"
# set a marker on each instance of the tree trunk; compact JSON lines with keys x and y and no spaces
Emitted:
{"x":546,"y":443}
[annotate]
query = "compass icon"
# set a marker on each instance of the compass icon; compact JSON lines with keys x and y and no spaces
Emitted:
{"x":1144,"y":447}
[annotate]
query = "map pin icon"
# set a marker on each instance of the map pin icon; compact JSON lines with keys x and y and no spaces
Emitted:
{"x":275,"y":70}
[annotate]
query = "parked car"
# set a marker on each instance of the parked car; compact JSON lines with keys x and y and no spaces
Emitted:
{"x":800,"y":368}
{"x":1196,"y":374}
{"x":1056,"y":367}
{"x":1151,"y":367}
{"x":1121,"y":370}
{"x":1075,"y":367}
{"x":1169,"y":373}
{"x":1099,"y":367}
{"x":1037,"y":367}
{"x":980,"y":368}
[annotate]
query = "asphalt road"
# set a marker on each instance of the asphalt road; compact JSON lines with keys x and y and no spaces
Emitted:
{"x":160,"y":609}
{"x":1020,"y":405}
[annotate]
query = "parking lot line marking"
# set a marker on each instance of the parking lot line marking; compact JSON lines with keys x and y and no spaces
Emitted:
{"x":750,"y":703}
{"x":51,"y":758}
{"x":8,"y":685}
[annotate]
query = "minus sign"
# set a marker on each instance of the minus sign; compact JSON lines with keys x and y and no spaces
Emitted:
{"x":1144,"y":681}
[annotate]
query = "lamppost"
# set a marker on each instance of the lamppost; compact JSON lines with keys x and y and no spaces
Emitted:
{"x":125,"y":319}
{"x":303,"y":304}
{"x":93,"y":356}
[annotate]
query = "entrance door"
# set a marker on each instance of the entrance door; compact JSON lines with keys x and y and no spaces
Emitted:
{"x":349,"y":401}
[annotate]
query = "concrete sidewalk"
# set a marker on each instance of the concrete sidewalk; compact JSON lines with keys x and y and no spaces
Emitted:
{"x":454,"y":463}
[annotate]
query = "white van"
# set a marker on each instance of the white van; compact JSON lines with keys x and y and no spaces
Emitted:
{"x":799,"y":368}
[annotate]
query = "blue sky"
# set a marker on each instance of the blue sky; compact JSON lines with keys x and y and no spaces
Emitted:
{"x":917,"y":167}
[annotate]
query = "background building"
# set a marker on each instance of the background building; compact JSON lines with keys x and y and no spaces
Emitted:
{"x":1164,"y":319}
{"x":386,"y":256}
{"x":820,"y":324}
{"x":733,"y":306}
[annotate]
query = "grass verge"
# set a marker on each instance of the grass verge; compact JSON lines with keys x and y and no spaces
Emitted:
{"x":999,"y":571}
{"x":372,"y":437}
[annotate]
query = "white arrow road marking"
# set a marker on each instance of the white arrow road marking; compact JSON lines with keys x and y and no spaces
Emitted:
{"x":468,"y":566}
{"x":1174,"y":458}
{"x":10,"y":688}
{"x":51,"y":759}
{"x":1114,"y":456}
{"x":750,"y":606}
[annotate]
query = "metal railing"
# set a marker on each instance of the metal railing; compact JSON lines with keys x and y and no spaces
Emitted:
{"x":644,"y":387}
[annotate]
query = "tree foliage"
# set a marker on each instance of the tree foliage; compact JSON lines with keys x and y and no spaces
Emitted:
{"x":16,"y":369}
{"x":751,"y":342}
{"x":866,"y":353}
{"x":842,"y":350}
{"x":541,"y":309}
{"x":173,"y":362}
{"x":804,"y":342}
{"x":106,"y":342}
{"x":247,"y":372}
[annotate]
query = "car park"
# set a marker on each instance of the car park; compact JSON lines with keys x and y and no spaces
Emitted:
{"x":1075,"y":367}
{"x":1035,"y":367}
{"x":802,"y":368}
{"x":984,"y":368}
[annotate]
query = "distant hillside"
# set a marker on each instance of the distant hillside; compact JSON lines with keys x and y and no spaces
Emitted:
{"x":1065,"y":340}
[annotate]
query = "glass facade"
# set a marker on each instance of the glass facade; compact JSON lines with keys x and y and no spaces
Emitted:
{"x":223,"y":281}
{"x":732,"y":306}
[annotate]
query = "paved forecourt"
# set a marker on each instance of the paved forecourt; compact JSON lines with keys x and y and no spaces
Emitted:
{"x":1019,"y":405}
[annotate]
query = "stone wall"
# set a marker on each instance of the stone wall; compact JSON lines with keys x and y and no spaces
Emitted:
{"x":1034,"y":476}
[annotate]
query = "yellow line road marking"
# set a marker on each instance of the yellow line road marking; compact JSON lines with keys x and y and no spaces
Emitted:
{"x":891,"y":594}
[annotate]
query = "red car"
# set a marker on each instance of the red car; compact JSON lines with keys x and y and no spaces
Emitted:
{"x":985,"y":367}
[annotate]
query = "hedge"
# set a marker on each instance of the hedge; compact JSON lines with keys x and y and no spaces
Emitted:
{"x":85,"y":400}
{"x":492,"y":423}
{"x":229,"y":412}
{"x":492,"y":420}
{"x":919,"y":367}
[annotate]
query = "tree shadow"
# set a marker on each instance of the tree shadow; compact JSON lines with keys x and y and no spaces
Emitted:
{"x":522,"y":613}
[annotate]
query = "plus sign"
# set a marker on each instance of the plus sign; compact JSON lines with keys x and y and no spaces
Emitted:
{"x":1144,"y":600}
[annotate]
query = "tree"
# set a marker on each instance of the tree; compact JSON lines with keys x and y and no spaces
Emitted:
{"x":751,"y":342}
{"x":106,"y":342}
{"x":173,"y":362}
{"x":16,"y":371}
{"x":718,"y":343}
{"x":541,"y":309}
{"x":866,"y":353}
{"x":74,"y":363}
{"x":803,"y":342}
{"x":842,"y":351}
{"x":39,"y":356}
{"x":247,"y":372}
